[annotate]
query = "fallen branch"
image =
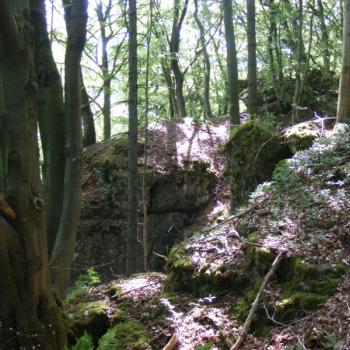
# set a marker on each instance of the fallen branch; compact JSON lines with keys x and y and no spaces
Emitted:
{"x":252,"y":311}
{"x":172,"y":343}
{"x":121,"y":294}
{"x":236,"y":216}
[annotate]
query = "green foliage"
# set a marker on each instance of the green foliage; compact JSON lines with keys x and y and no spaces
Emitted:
{"x":332,"y":342}
{"x":206,"y":346}
{"x":83,"y":283}
{"x":125,"y":335}
{"x":83,"y":343}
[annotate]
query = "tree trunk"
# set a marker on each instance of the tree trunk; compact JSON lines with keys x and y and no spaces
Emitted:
{"x":106,"y":111}
{"x":232,"y":72}
{"x":51,"y":120}
{"x":252,"y":70}
{"x":132,"y":243}
{"x":299,"y":65}
{"x":324,"y":39}
{"x":343,"y":113}
{"x":207,"y":105}
{"x":89,"y":136}
{"x":62,"y":254}
{"x":174,"y":46}
{"x":29,"y":315}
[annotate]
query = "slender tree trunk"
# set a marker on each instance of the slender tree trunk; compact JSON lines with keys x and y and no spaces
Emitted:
{"x":89,"y":135}
{"x":324,"y":39}
{"x":106,"y":110}
{"x":174,"y":46}
{"x":299,"y":65}
{"x":62,"y":254}
{"x":51,"y":120}
{"x":29,"y":315}
{"x":145,"y":189}
{"x":343,"y":113}
{"x":207,"y":105}
{"x":224,"y":77}
{"x":252,"y":70}
{"x":232,"y":72}
{"x":132,"y":243}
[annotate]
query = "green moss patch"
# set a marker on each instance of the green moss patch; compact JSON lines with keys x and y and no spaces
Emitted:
{"x":126,"y":335}
{"x":89,"y":316}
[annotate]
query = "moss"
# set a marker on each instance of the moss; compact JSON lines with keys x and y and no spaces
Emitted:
{"x":258,"y":259}
{"x":89,"y":316}
{"x":297,"y":304}
{"x":260,"y":322}
{"x":312,"y":278}
{"x":126,"y":335}
{"x":180,"y":270}
{"x":301,"y":136}
{"x":114,"y":289}
{"x":252,"y":152}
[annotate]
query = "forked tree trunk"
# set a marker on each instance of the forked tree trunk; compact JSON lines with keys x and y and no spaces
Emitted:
{"x":29,"y":315}
{"x":62,"y":254}
{"x":51,"y":120}
{"x":174,"y":46}
{"x":207,"y":105}
{"x":343,"y":113}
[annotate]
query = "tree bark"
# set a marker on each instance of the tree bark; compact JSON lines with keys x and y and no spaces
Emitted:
{"x":51,"y":120}
{"x":299,"y":64}
{"x":324,"y":39}
{"x":174,"y":46}
{"x":62,"y":254}
{"x":106,"y":111}
{"x":207,"y":105}
{"x":132,"y":243}
{"x":29,"y":314}
{"x":343,"y":112}
{"x":252,"y":69}
{"x":89,"y":135}
{"x":232,"y":72}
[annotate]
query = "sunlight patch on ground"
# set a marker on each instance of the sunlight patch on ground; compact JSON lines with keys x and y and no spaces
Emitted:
{"x":200,"y":324}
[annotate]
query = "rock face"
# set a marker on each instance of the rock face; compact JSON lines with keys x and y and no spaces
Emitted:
{"x":252,"y":154}
{"x":174,"y":199}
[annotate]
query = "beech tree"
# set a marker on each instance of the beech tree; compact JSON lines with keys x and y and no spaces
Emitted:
{"x":30,"y":92}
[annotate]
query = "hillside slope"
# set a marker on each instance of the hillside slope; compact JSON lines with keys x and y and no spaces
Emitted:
{"x":214,"y":275}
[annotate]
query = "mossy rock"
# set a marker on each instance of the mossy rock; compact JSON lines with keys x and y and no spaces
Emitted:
{"x":258,"y":259}
{"x":184,"y":275}
{"x":88,"y":316}
{"x":252,"y":153}
{"x":126,"y":335}
{"x":180,"y":270}
{"x":297,"y":304}
{"x":314,"y":278}
{"x":301,"y":136}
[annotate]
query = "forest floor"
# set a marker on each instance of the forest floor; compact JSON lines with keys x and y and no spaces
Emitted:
{"x":303,"y":213}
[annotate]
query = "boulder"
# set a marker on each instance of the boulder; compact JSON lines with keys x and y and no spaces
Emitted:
{"x":252,"y":154}
{"x":301,"y":136}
